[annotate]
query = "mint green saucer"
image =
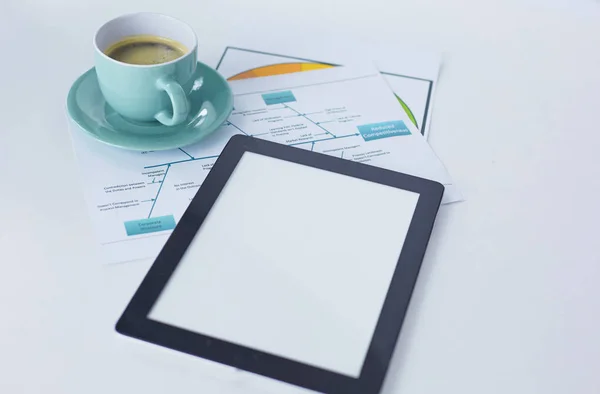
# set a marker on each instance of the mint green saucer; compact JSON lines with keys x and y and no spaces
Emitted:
{"x":211,"y":103}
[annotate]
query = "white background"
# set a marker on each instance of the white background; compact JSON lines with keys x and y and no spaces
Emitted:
{"x":508,"y":297}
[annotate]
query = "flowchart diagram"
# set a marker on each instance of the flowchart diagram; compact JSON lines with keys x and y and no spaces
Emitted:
{"x":413,"y":93}
{"x":283,"y":124}
{"x":134,"y":196}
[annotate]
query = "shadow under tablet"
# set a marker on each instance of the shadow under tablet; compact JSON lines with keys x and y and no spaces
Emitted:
{"x":290,"y":264}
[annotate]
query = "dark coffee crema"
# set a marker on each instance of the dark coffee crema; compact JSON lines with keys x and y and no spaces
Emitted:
{"x":146,"y":50}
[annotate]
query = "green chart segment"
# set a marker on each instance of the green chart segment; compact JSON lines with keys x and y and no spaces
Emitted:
{"x":411,"y":116}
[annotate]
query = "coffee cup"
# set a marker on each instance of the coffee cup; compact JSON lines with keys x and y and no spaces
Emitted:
{"x":145,"y":64}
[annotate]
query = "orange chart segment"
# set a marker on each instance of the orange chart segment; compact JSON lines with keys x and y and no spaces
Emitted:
{"x":278,"y":69}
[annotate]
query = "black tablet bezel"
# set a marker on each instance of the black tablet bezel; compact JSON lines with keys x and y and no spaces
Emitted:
{"x":135,"y":322}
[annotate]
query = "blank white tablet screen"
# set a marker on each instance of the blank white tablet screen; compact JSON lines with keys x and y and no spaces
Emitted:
{"x":291,"y":260}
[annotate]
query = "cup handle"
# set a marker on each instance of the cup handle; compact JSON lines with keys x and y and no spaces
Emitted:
{"x":179,"y":102}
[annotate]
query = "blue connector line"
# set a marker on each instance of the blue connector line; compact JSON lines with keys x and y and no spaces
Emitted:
{"x":158,"y":192}
{"x":181,"y":161}
{"x":311,"y":121}
{"x":191,"y":157}
{"x":241,"y":131}
{"x":324,"y":139}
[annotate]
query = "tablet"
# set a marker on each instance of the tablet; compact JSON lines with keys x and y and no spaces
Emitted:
{"x":290,"y":264}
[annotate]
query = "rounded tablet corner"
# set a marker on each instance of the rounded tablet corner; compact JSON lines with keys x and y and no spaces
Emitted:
{"x":120,"y":326}
{"x":238,"y":139}
{"x":441,"y":187}
{"x":437,"y":189}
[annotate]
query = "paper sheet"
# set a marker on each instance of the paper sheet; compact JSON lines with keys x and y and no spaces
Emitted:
{"x":413,"y":77}
{"x":135,"y":199}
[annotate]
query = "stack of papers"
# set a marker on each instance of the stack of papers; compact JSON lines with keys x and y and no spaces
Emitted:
{"x":135,"y":199}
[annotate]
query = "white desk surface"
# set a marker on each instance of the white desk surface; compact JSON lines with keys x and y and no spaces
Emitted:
{"x":508,"y":299}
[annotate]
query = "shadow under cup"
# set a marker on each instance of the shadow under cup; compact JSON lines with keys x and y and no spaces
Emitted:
{"x":147,"y":93}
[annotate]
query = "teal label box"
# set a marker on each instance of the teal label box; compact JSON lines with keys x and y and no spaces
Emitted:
{"x":377,"y":131}
{"x":279,"y":97}
{"x":150,"y":225}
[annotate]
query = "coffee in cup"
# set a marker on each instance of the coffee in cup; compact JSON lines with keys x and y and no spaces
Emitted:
{"x":146,"y":49}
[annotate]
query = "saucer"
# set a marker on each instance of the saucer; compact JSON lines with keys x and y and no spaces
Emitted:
{"x":211,"y":102}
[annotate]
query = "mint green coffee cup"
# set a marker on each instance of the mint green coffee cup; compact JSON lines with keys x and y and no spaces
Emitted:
{"x":153,"y":92}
